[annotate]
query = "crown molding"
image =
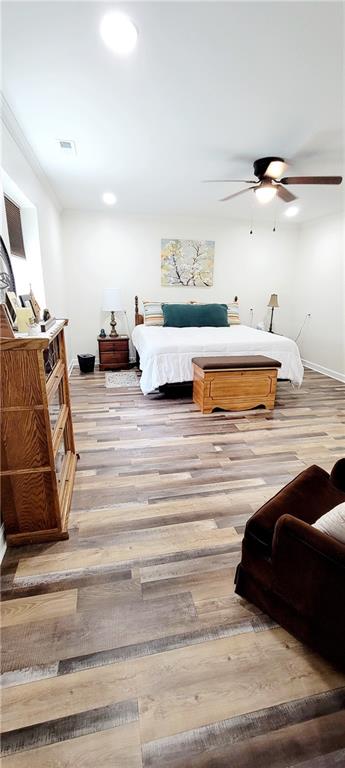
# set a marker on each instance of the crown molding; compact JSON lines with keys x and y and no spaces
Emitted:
{"x":17,"y":134}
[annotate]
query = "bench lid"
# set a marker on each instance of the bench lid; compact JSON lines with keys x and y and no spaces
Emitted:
{"x":235,"y":361}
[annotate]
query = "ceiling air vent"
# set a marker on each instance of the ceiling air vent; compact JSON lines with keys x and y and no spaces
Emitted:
{"x":67,"y":145}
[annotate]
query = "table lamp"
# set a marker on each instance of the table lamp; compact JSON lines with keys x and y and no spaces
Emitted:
{"x":112,"y":303}
{"x":273,"y":303}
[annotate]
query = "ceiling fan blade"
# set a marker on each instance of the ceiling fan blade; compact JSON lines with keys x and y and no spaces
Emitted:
{"x":285,"y":194}
{"x":236,"y":181}
{"x":312,"y":180}
{"x":241,"y":192}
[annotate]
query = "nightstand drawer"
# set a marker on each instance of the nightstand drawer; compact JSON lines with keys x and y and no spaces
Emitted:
{"x":114,"y":357}
{"x":113,"y":346}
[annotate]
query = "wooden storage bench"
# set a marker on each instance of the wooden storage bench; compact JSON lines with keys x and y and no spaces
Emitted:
{"x":234,"y":383}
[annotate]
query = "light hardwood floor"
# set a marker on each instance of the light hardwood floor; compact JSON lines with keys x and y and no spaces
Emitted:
{"x":125,"y":646}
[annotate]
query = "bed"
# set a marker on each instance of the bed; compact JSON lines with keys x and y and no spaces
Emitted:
{"x":166,"y":353}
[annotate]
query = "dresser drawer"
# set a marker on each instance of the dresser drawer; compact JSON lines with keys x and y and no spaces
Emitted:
{"x":113,"y":346}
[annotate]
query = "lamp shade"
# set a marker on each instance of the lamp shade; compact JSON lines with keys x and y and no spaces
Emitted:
{"x":273,"y":302}
{"x":112,"y":301}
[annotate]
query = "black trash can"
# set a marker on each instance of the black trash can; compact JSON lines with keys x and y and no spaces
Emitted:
{"x":86,"y":363}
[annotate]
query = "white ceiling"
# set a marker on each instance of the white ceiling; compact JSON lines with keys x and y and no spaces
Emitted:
{"x":210,"y":87}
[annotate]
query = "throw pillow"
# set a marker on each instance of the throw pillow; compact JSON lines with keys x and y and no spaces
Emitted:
{"x":195,"y":315}
{"x":333,"y":522}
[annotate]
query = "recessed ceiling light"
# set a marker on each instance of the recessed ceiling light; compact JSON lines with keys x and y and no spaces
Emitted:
{"x":109,"y":198}
{"x":118,"y":33}
{"x":291,"y":211}
{"x":265,"y":193}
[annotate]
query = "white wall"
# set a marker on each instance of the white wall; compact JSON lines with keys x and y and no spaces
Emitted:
{"x":41,"y":230}
{"x":79,"y":253}
{"x":319,"y":288}
{"x":44,"y":253}
{"x":106,"y":250}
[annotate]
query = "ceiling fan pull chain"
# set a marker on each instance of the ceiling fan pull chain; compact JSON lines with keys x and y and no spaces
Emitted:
{"x":251,"y":221}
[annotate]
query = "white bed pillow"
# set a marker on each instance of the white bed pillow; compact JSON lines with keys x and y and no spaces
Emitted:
{"x":153,"y":313}
{"x":234,"y":312}
{"x":333,"y":522}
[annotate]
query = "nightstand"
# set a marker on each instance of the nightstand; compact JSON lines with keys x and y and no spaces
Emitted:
{"x":113,"y":352}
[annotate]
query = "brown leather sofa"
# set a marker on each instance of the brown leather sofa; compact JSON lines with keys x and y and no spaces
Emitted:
{"x":292,"y":571}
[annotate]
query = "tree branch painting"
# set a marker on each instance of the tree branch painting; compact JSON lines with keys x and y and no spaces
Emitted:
{"x":187,"y":262}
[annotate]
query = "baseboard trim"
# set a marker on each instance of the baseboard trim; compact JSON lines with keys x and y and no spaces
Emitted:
{"x":3,"y":545}
{"x":74,"y":362}
{"x":325,"y":371}
{"x":71,"y":365}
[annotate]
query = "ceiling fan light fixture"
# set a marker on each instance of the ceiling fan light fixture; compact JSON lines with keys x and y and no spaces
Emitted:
{"x":276,"y":169}
{"x":265,"y":193}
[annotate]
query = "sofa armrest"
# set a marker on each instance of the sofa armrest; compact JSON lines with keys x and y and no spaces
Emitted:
{"x":309,"y":568}
{"x":307,"y":496}
{"x":338,"y":475}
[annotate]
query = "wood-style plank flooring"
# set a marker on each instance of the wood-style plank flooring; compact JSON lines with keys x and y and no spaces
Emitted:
{"x":125,"y":646}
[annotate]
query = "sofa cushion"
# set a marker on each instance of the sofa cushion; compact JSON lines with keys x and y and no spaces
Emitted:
{"x":333,"y":522}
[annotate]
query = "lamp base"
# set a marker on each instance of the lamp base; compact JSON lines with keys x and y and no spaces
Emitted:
{"x":271,"y":323}
{"x":113,"y":331}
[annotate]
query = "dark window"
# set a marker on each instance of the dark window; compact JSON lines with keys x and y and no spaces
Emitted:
{"x":14,"y":225}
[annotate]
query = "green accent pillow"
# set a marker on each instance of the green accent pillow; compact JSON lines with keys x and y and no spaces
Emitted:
{"x":195,"y":315}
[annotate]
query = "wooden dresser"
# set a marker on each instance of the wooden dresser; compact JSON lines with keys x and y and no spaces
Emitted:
{"x":38,"y":458}
{"x":113,"y":352}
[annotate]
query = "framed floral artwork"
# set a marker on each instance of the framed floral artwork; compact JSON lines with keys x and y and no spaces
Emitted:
{"x":187,"y":262}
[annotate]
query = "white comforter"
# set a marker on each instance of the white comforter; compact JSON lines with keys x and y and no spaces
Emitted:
{"x":166,"y":353}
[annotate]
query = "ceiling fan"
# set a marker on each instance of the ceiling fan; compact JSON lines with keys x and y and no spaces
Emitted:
{"x":268,"y":171}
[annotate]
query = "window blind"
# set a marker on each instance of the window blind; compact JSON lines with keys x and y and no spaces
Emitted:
{"x":14,"y":225}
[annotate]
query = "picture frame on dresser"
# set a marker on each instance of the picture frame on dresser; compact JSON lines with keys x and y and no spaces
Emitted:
{"x":6,"y":324}
{"x":12,"y":305}
{"x":26,"y":302}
